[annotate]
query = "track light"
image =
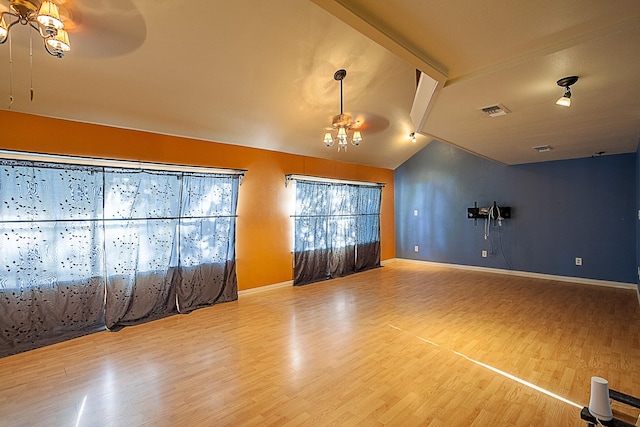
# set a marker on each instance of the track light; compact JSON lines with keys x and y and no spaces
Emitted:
{"x":566,"y":83}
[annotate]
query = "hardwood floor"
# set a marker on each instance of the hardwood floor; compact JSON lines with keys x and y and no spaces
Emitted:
{"x":406,"y":344}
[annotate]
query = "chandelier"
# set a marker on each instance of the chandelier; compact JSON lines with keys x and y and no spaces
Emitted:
{"x":43,"y":17}
{"x":342,"y":123}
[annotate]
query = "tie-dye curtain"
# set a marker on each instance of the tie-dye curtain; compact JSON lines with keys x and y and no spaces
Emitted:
{"x":337,"y":230}
{"x":86,"y":247}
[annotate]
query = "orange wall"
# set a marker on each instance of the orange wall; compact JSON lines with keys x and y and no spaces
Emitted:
{"x":264,"y":234}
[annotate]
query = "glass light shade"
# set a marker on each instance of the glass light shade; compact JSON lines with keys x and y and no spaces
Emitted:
{"x":60,"y":42}
{"x":357,"y":137}
{"x":328,"y":140}
{"x":49,"y":16}
{"x":564,"y":101}
{"x":3,"y":30}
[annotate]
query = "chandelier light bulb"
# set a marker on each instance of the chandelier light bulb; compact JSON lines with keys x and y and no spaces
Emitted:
{"x":357,"y":138}
{"x":49,"y":19}
{"x":328,"y":140}
{"x":59,"y":43}
{"x":3,"y":30}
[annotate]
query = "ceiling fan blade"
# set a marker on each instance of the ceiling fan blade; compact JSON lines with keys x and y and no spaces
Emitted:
{"x":104,"y":28}
{"x":371,"y":123}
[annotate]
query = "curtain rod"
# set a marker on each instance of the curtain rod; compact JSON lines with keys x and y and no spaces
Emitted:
{"x":90,"y":161}
{"x":294,"y":177}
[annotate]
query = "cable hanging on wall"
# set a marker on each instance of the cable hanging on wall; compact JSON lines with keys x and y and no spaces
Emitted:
{"x":493,"y":213}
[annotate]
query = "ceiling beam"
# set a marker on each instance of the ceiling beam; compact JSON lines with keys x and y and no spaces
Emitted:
{"x":386,"y":38}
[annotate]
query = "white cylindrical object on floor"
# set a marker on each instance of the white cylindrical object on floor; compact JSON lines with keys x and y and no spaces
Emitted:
{"x":599,"y":404}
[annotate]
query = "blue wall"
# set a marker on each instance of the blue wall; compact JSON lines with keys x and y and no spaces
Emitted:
{"x":560,"y":210}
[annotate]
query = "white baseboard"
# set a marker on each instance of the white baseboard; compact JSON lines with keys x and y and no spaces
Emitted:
{"x":620,"y":285}
{"x":582,"y":280}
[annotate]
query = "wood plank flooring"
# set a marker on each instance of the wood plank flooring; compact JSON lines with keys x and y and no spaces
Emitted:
{"x":403,"y":345}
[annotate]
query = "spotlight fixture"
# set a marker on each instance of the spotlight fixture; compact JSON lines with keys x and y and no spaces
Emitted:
{"x":566,"y":83}
{"x":342,"y":123}
{"x":412,"y":135}
{"x":43,"y":17}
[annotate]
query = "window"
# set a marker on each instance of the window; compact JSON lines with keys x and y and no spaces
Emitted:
{"x":84,"y":247}
{"x":337,"y":228}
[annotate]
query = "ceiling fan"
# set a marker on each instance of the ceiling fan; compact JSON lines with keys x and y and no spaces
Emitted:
{"x":96,"y":28}
{"x":342,"y":123}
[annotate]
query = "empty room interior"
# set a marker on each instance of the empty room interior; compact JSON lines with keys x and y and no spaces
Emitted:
{"x":319,"y":212}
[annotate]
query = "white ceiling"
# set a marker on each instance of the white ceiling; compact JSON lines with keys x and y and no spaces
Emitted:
{"x":260,"y":74}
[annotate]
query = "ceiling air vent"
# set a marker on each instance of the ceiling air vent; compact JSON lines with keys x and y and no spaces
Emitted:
{"x":495,"y":110}
{"x":543,"y":148}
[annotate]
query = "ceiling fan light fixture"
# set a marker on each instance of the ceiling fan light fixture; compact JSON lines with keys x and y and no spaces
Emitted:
{"x":41,"y":16}
{"x":342,"y":123}
{"x":44,"y":17}
{"x":566,"y":83}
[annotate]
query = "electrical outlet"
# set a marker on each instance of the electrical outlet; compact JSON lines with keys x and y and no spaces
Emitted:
{"x":415,"y":213}
{"x":415,"y":248}
{"x":578,"y":261}
{"x":484,"y":254}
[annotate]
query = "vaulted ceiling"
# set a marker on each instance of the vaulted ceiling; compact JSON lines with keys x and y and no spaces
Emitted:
{"x":260,"y":74}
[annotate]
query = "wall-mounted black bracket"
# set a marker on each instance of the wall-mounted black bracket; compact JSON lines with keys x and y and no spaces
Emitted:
{"x":495,"y":212}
